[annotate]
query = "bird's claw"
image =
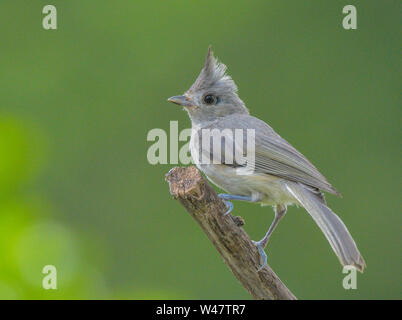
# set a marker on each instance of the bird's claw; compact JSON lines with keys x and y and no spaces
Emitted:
{"x":228,"y":203}
{"x":263,"y":255}
{"x":230,"y":207}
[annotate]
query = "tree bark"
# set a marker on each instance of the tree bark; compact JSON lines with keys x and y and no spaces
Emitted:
{"x":188,"y":186}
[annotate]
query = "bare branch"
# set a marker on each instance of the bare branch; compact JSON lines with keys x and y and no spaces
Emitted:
{"x":225,"y":232}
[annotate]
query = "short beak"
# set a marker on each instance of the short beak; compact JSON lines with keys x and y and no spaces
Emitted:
{"x":181,"y":101}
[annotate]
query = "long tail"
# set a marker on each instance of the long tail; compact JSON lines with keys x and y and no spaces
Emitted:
{"x":333,"y":228}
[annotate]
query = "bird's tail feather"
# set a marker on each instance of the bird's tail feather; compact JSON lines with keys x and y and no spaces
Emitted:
{"x":331,"y":225}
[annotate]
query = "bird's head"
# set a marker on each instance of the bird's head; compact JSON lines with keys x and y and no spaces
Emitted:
{"x":213,"y":94}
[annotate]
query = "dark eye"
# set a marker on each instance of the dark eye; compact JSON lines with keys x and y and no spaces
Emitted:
{"x":210,"y":99}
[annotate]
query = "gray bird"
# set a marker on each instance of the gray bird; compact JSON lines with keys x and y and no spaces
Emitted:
{"x":281,"y":175}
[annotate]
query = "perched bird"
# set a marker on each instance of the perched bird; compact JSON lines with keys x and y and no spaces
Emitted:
{"x":281,"y":175}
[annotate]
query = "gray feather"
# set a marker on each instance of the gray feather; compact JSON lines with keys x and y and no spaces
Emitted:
{"x":273,"y":154}
{"x":333,"y":228}
{"x":213,"y":75}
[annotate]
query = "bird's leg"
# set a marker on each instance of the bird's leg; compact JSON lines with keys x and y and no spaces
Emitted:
{"x":280,"y":211}
{"x":227,"y":197}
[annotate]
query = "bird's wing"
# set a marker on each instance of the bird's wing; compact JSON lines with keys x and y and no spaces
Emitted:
{"x":273,"y":154}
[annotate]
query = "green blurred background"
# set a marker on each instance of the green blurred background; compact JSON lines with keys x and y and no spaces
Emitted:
{"x":76,"y":104}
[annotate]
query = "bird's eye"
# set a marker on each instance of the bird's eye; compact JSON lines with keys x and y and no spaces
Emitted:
{"x":210,"y":99}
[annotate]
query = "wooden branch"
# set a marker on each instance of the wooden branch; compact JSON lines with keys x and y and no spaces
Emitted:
{"x":225,"y":232}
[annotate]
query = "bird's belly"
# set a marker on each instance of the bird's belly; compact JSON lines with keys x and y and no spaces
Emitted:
{"x":265,"y":188}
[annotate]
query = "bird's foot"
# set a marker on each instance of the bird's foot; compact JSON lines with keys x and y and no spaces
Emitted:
{"x":263,"y":255}
{"x":227,"y":202}
{"x":227,"y":197}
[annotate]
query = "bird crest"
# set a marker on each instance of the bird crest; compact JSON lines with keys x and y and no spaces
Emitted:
{"x":213,"y":75}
